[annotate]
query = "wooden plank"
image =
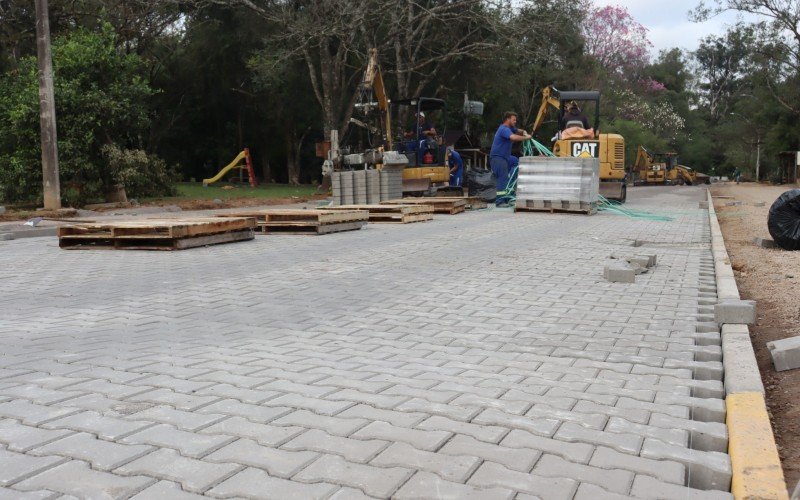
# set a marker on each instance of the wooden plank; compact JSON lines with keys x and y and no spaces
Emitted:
{"x":555,"y":206}
{"x":400,"y":209}
{"x":291,"y":215}
{"x":440,"y":205}
{"x":473,"y":202}
{"x":427,"y":201}
{"x":215,"y":239}
{"x":152,"y":234}
{"x":311,"y":229}
{"x":159,"y":228}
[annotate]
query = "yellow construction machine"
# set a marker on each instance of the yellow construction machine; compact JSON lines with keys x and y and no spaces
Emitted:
{"x":427,"y":171}
{"x":663,"y":168}
{"x":609,"y":148}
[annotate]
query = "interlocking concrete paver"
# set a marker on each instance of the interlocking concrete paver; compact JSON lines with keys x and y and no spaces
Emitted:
{"x":421,"y":439}
{"x":425,"y":485}
{"x":280,"y":463}
{"x":355,"y":450}
{"x":76,"y":478}
{"x":103,"y":426}
{"x":376,"y":481}
{"x":451,"y":468}
{"x":517,"y":459}
{"x":187,"y":443}
{"x":103,"y":455}
{"x":254,"y":483}
{"x":491,"y":474}
{"x":165,"y":489}
{"x":268,"y":435}
{"x":15,"y":467}
{"x":21,"y":437}
{"x":342,"y":369}
{"x":194,"y":475}
{"x":331,"y":425}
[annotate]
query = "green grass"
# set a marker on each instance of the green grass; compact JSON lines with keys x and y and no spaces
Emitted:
{"x":196,"y":191}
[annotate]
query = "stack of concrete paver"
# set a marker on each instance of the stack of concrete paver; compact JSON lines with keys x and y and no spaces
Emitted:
{"x":488,"y":366}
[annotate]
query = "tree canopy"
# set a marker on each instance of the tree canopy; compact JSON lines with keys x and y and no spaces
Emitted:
{"x":145,"y":84}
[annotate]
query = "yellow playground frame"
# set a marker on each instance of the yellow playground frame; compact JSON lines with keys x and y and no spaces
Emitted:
{"x":248,"y":164}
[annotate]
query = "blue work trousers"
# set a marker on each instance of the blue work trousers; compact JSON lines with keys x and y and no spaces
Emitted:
{"x":503,"y":168}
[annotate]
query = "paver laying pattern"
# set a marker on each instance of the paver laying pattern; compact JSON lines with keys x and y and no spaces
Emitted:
{"x":479,"y":354}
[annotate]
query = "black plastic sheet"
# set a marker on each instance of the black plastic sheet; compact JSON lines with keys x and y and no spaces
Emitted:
{"x":784,"y":220}
{"x":482,"y":183}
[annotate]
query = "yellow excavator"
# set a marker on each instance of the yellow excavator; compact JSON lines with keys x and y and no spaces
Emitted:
{"x":663,"y":168}
{"x":609,"y":148}
{"x":427,"y":171}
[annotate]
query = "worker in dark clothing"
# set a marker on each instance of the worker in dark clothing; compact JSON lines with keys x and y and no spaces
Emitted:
{"x":424,"y":136}
{"x":456,"y":164}
{"x":573,"y":118}
{"x":500,"y":159}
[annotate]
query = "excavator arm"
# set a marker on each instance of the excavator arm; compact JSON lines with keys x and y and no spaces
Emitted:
{"x":549,"y":100}
{"x":373,"y":81}
{"x":643,"y":160}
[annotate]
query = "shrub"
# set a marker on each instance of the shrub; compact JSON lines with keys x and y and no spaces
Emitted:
{"x":101,"y":100}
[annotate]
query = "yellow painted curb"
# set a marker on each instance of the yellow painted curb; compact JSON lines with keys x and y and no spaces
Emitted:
{"x":755,"y":463}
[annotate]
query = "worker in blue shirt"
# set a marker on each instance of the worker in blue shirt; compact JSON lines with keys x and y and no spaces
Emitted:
{"x":456,"y":164}
{"x":500,"y":158}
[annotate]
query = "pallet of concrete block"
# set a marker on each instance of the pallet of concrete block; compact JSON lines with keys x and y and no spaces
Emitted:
{"x":555,"y":206}
{"x":440,"y":205}
{"x":155,"y":234}
{"x":305,"y":221}
{"x":398,"y":214}
{"x":560,"y":184}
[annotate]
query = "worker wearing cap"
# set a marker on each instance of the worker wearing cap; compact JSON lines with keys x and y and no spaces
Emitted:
{"x":456,"y":164}
{"x":426,"y":134}
{"x":502,"y":162}
{"x":573,"y":118}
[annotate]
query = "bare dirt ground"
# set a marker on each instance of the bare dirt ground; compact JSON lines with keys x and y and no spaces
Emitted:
{"x":772,"y":278}
{"x":183,"y":204}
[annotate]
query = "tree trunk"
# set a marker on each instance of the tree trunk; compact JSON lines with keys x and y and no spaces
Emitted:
{"x":266,"y":171}
{"x":292,"y":159}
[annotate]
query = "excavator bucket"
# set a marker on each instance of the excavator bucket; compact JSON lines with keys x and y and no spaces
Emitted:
{"x":416,"y":185}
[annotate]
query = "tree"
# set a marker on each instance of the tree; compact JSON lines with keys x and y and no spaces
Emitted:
{"x":616,"y":41}
{"x":777,"y":42}
{"x":101,"y":99}
{"x":723,"y":69}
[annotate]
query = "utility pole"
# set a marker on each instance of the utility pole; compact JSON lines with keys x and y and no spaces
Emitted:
{"x":47,"y":114}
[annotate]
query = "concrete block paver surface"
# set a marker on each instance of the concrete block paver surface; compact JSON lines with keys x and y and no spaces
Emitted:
{"x":478,"y":355}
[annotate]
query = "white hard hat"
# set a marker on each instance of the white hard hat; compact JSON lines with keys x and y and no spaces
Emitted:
{"x":421,"y":114}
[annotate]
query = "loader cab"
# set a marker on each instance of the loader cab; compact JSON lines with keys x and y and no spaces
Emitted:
{"x":589,"y":103}
{"x":421,"y":149}
{"x":608,"y":148}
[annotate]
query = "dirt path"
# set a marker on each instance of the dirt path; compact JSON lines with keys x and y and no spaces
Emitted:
{"x":771,"y":277}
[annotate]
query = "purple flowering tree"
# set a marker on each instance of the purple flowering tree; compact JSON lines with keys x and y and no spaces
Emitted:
{"x":616,"y":40}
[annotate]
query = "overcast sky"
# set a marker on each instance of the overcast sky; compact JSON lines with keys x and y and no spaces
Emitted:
{"x":668,"y":22}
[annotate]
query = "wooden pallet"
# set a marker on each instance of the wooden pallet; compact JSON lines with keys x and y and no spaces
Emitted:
{"x":473,"y":202}
{"x":397,"y":214}
{"x":155,"y":234}
{"x":555,"y":207}
{"x":312,"y":221}
{"x":440,"y":205}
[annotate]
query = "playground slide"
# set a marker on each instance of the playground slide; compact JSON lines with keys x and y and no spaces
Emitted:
{"x":225,"y":170}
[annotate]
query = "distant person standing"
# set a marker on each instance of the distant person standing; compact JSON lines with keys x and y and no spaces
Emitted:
{"x":456,"y":164}
{"x":500,"y":158}
{"x":737,"y":175}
